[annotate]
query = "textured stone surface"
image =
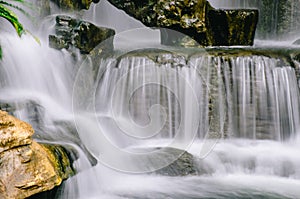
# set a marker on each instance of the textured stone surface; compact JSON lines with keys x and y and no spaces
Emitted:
{"x":27,"y":167}
{"x":13,"y":132}
{"x":182,"y":166}
{"x":74,"y":4}
{"x":83,"y":35}
{"x":193,"y":18}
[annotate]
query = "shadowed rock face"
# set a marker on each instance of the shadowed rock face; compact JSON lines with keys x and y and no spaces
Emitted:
{"x":194,"y":18}
{"x":83,"y":35}
{"x":74,"y":4}
{"x":27,"y":167}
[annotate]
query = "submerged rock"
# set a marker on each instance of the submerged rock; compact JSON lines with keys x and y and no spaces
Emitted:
{"x":27,"y":167}
{"x":83,"y":35}
{"x":297,"y":42}
{"x":182,"y":166}
{"x":195,"y":19}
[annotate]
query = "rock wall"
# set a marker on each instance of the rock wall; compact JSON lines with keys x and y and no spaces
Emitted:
{"x":194,"y":18}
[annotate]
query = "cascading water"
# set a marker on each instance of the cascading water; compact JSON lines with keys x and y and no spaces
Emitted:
{"x":238,"y":115}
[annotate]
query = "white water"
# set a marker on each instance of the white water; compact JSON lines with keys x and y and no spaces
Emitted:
{"x":252,"y":99}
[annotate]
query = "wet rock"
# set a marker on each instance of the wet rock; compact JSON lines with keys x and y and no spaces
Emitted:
{"x":297,"y":42}
{"x":231,"y":27}
{"x":79,"y":34}
{"x":182,"y":166}
{"x":58,"y":42}
{"x":72,"y":5}
{"x":27,"y":167}
{"x":87,"y":36}
{"x":34,"y":111}
{"x":195,"y":19}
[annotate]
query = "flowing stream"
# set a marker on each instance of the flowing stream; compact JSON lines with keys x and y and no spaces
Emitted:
{"x":237,"y":114}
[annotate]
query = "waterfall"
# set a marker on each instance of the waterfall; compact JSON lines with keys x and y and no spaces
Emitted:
{"x":104,"y":14}
{"x":153,"y":99}
{"x":236,"y":113}
{"x":233,"y":4}
{"x":238,"y":97}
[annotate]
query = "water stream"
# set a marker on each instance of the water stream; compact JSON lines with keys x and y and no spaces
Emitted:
{"x":237,"y":114}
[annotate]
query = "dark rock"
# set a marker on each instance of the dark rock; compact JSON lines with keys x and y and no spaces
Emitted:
{"x":58,"y":42}
{"x":83,"y":35}
{"x":195,"y":19}
{"x":141,"y":10}
{"x":231,"y":27}
{"x":87,"y":36}
{"x":74,"y":4}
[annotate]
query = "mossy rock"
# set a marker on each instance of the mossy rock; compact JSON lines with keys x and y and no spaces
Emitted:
{"x":183,"y":22}
{"x":83,"y":35}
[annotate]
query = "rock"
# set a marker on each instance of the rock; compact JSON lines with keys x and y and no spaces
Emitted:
{"x":231,"y":27}
{"x":34,"y":111}
{"x":27,"y":167}
{"x":195,"y":19}
{"x":83,"y":35}
{"x":58,"y":42}
{"x":13,"y":132}
{"x":297,"y":42}
{"x":182,"y":166}
{"x":87,"y":36}
{"x":73,"y":5}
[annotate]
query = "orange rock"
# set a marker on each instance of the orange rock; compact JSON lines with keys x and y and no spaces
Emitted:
{"x":27,"y":167}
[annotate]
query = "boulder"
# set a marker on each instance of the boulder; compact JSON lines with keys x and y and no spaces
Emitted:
{"x":184,"y":165}
{"x":297,"y":42}
{"x":74,"y":4}
{"x":196,"y":19}
{"x":27,"y":167}
{"x":79,"y":34}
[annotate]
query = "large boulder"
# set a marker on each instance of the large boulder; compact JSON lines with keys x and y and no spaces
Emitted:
{"x":194,"y":18}
{"x":27,"y":167}
{"x":83,"y":35}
